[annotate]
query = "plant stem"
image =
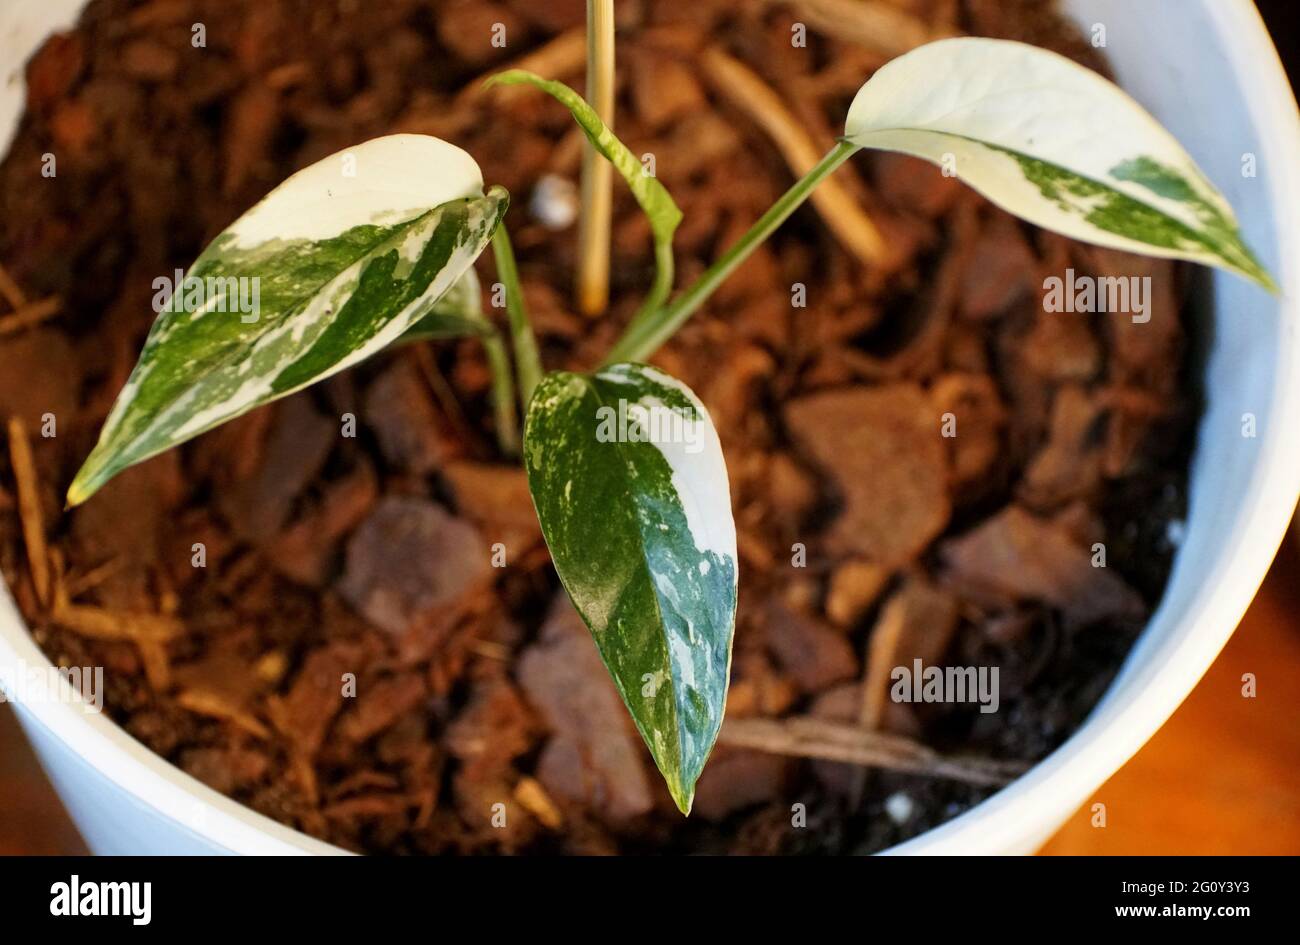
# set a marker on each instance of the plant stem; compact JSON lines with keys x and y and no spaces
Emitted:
{"x":663,"y":283}
{"x":644,"y":336}
{"x":503,"y":394}
{"x":597,"y":174}
{"x":528,"y":362}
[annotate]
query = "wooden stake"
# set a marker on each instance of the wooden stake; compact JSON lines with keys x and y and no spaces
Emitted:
{"x":592,"y":288}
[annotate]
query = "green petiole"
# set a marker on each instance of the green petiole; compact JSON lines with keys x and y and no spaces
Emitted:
{"x":503,"y":393}
{"x":528,"y":362}
{"x":646,"y":333}
{"x":663,"y":284}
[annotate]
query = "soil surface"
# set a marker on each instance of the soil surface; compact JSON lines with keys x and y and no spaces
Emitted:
{"x":311,"y":622}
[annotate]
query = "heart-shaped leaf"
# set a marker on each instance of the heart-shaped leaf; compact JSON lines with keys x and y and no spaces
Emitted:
{"x":335,"y":264}
{"x":630,"y":486}
{"x":1054,"y":143}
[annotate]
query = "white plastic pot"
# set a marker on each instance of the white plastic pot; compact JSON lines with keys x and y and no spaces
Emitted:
{"x":1208,"y":71}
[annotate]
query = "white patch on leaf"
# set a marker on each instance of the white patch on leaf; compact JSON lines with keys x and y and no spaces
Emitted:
{"x":699,"y":472}
{"x":397,"y":177}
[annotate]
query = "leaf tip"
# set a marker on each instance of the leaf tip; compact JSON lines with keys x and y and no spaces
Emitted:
{"x":1246,"y":265}
{"x":683,"y":794}
{"x":1265,"y":280}
{"x":77,"y":493}
{"x":97,"y":469}
{"x":681,"y":780}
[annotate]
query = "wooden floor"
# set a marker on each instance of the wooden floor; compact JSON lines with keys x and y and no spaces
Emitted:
{"x":32,"y":820}
{"x":1222,"y":776}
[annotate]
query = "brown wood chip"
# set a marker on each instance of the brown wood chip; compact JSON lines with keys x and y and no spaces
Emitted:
{"x":916,"y":623}
{"x":883,"y":449}
{"x":1015,"y":556}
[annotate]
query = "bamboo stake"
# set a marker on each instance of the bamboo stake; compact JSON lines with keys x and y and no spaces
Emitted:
{"x":592,"y":288}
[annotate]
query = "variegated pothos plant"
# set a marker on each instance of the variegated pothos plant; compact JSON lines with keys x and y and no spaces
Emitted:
{"x":374,"y":247}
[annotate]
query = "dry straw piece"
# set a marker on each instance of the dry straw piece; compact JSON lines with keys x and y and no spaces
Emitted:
{"x":877,"y":26}
{"x":745,"y":90}
{"x":10,"y":289}
{"x":835,"y":741}
{"x":28,"y":316}
{"x":29,"y":508}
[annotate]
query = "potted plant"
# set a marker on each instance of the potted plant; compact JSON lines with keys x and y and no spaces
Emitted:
{"x":375,"y":246}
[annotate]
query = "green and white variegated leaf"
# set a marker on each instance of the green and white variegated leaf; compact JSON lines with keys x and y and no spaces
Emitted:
{"x":345,"y":256}
{"x":458,"y":313}
{"x":651,"y":196}
{"x":630,"y":486}
{"x":1053,"y":143}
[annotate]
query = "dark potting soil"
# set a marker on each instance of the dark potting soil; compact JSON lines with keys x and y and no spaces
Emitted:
{"x":311,"y":622}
